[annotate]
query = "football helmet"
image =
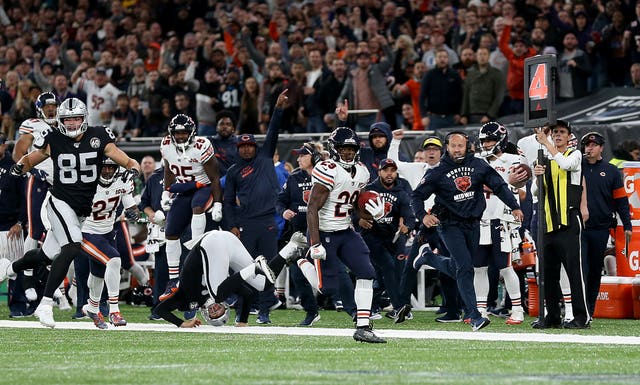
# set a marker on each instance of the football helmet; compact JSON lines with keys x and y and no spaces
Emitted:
{"x":573,"y":142}
{"x":108,"y":173}
{"x":72,"y":108}
{"x":45,"y":99}
{"x":344,"y":137}
{"x":492,"y":131}
{"x":214,"y":313}
{"x":182,"y":123}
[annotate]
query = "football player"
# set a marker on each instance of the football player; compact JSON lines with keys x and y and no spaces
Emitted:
{"x":336,"y":186}
{"x":192,"y":187}
{"x":99,"y":242}
{"x":77,"y":151}
{"x":40,"y":179}
{"x":498,"y":229}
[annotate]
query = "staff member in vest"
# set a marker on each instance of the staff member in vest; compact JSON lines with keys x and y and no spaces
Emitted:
{"x":605,"y":197}
{"x":563,"y":226}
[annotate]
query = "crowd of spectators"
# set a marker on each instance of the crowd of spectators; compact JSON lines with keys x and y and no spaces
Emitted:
{"x":137,"y":63}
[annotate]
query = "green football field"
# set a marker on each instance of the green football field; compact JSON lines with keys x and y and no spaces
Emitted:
{"x":35,"y":355}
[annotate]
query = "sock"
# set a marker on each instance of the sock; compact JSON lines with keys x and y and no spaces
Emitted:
{"x":481,"y":284}
{"x":310,"y":273}
{"x":565,"y":287}
{"x":95,"y":292}
{"x":198,"y":224}
{"x":174,"y":249}
{"x":141,"y":274}
{"x":112,"y":281}
{"x":281,"y":281}
{"x":512,"y":283}
{"x":363,"y":296}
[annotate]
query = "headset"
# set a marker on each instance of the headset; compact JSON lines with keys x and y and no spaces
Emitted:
{"x":316,"y":156}
{"x":464,"y":134}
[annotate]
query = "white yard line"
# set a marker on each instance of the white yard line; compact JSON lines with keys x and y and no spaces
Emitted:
{"x":299,"y":331}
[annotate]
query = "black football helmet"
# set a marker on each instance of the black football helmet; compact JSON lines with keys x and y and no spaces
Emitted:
{"x":108,"y":173}
{"x":493,"y":131}
{"x":182,"y":123}
{"x":343,"y":137}
{"x":44,"y":99}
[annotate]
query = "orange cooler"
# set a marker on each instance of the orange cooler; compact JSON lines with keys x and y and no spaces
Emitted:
{"x":615,"y":299}
{"x":533,"y":297}
{"x":628,"y":267}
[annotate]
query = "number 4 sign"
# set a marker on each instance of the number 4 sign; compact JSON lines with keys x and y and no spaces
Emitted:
{"x":540,"y":90}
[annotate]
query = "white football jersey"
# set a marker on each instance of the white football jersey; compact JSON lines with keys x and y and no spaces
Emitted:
{"x":35,"y":127}
{"x":504,"y":165}
{"x":188,"y":167}
{"x":99,"y":100}
{"x":335,"y":215}
{"x":105,"y":205}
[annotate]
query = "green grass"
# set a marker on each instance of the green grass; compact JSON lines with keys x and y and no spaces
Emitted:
{"x":41,"y":356}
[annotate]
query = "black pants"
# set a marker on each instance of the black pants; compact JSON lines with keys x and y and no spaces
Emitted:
{"x":563,"y":246}
{"x":594,"y":243}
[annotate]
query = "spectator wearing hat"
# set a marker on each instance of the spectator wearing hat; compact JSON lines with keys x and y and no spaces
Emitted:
{"x":441,"y":94}
{"x":152,"y":61}
{"x":606,"y":197}
{"x":366,"y":88}
{"x":250,"y":193}
{"x":483,"y":91}
{"x":515,"y":74}
{"x":383,"y":235}
{"x":574,"y":69}
{"x":437,"y":40}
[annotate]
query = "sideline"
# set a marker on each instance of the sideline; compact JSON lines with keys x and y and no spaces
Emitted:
{"x":327,"y":332}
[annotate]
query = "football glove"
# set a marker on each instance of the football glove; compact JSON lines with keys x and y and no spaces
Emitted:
{"x":317,"y":251}
{"x":132,"y":214}
{"x":38,"y":173}
{"x":166,"y":200}
{"x":130,"y":175}
{"x":375,"y":208}
{"x":216,"y":212}
{"x":16,"y":169}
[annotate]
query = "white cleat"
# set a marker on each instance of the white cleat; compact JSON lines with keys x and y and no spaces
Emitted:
{"x":31,"y":294}
{"x":4,"y":265}
{"x":298,"y":239}
{"x":63,"y":303}
{"x":44,"y":313}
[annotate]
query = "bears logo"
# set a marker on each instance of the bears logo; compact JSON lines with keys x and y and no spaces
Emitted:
{"x":463,"y":183}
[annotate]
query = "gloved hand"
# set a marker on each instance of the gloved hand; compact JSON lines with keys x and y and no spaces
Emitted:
{"x":38,"y":173}
{"x":166,"y":200}
{"x":132,"y":214}
{"x":16,"y":169}
{"x":375,"y":208}
{"x":158,"y":217}
{"x":130,"y":175}
{"x":317,"y":251}
{"x":216,"y":212}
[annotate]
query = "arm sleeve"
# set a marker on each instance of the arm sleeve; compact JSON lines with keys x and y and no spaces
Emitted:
{"x":421,"y":193}
{"x":283,"y":202}
{"x":406,"y":211}
{"x":165,"y":310}
{"x":503,"y":42}
{"x":570,"y":162}
{"x":271,"y":140}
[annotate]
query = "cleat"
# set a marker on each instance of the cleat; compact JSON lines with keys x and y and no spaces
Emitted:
{"x":449,"y":318}
{"x":263,"y":319}
{"x":298,"y":239}
{"x":116,"y":319}
{"x":365,"y":334}
{"x":263,"y":268}
{"x":513,"y":321}
{"x":479,"y":323}
{"x":375,"y":315}
{"x":172,"y":287}
{"x":310,"y":319}
{"x":97,"y":318}
{"x":154,"y":317}
{"x":498,"y":312}
{"x":573,"y":324}
{"x":546,"y":323}
{"x":392,"y":314}
{"x":63,"y":304}
{"x":421,"y":259}
{"x":4,"y":265}
{"x":402,"y":313}
{"x":516,"y":318}
{"x":31,"y":294}
{"x":339,"y":306}
{"x":44,"y":313}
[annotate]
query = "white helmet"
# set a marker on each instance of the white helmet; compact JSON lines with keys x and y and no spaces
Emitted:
{"x":72,"y":107}
{"x":214,"y":313}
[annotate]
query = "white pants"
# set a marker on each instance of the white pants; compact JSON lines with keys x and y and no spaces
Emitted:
{"x":66,"y":227}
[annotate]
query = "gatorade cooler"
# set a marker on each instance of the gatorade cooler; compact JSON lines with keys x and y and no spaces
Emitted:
{"x":533,"y":297}
{"x":615,"y":298}
{"x":631,"y":181}
{"x":628,"y":262}
{"x":635,"y":293}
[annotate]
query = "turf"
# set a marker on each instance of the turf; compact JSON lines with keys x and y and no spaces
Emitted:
{"x":41,"y":356}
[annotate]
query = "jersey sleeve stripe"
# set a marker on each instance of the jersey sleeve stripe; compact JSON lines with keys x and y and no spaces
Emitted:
{"x":25,"y":130}
{"x":323,"y":173}
{"x":619,"y":193}
{"x":322,"y":179}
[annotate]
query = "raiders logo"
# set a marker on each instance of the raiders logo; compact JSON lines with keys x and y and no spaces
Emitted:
{"x":463,"y":183}
{"x":94,"y":143}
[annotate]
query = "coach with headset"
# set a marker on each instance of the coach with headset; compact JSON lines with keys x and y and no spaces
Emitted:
{"x":458,"y":183}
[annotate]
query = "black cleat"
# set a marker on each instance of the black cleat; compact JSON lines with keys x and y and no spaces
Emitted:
{"x":365,"y":334}
{"x":546,"y":323}
{"x":573,"y":324}
{"x":401,"y":314}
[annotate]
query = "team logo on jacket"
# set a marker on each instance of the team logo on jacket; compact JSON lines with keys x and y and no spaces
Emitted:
{"x":463,"y":183}
{"x":305,"y":195}
{"x":94,"y":143}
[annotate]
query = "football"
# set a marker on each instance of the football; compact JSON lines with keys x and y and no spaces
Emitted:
{"x":524,"y":167}
{"x":364,"y":197}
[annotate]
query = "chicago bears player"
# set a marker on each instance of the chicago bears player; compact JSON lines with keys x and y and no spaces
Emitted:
{"x":336,"y":186}
{"x":498,"y":231}
{"x":99,"y":242}
{"x":40,"y":179}
{"x":77,"y":151}
{"x":191,"y":174}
